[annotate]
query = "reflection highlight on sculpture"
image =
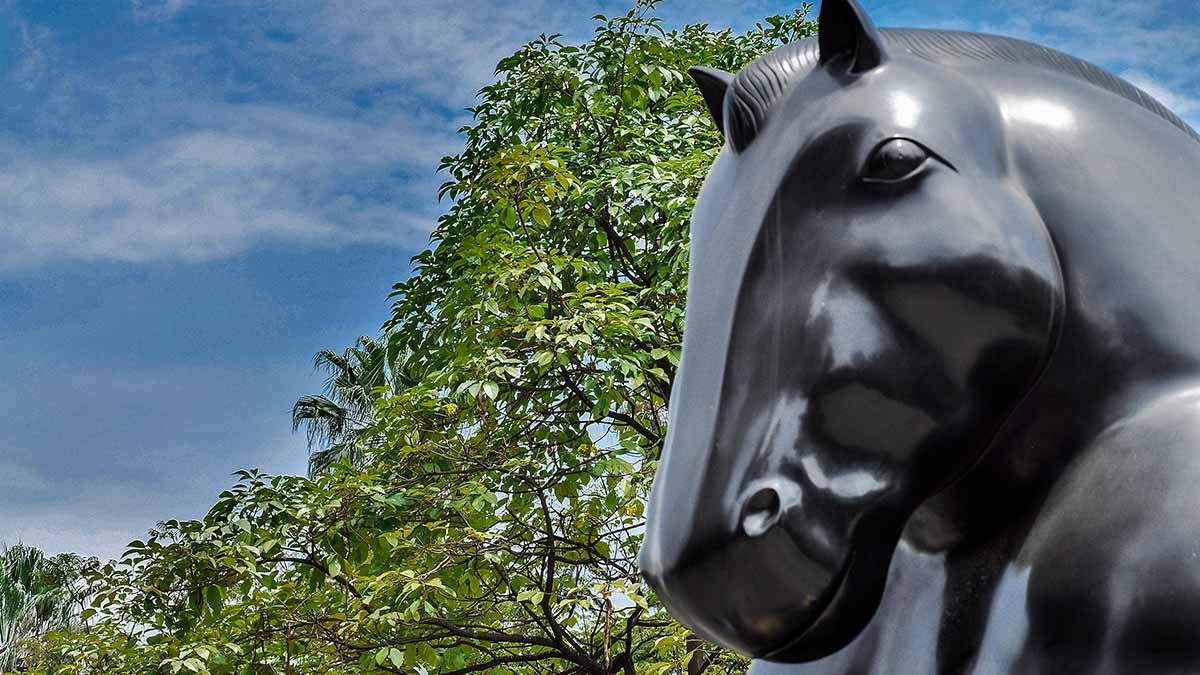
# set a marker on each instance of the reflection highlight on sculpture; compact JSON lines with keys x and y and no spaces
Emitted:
{"x":937,"y":409}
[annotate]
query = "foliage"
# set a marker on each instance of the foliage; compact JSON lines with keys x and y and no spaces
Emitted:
{"x":37,"y":595}
{"x":495,"y":523}
{"x":340,"y":422}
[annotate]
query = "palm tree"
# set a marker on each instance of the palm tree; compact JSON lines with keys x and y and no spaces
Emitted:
{"x":338,"y":423}
{"x":37,"y":595}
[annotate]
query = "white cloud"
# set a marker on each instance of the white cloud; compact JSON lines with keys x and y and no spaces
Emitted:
{"x":1142,"y":37}
{"x":158,"y":10}
{"x":449,"y":50}
{"x":1149,"y":43}
{"x":1181,"y":104}
{"x":36,"y":54}
{"x":141,"y":159}
{"x":445,"y":50}
{"x":259,"y":174}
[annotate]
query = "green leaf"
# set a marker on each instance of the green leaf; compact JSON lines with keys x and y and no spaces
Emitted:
{"x":214,"y":597}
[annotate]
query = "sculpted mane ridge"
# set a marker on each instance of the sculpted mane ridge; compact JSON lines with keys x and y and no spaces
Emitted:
{"x":760,"y":84}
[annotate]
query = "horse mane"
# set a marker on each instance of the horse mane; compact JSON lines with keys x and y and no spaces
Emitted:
{"x":757,"y":86}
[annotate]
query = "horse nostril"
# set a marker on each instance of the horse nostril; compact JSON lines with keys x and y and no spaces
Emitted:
{"x":760,"y":512}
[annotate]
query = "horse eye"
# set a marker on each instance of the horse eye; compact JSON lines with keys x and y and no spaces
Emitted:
{"x":895,"y":160}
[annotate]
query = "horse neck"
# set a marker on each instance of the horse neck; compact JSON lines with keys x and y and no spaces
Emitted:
{"x":1114,"y":186}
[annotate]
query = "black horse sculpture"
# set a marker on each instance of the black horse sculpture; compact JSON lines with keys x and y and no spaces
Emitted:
{"x":938,"y":409}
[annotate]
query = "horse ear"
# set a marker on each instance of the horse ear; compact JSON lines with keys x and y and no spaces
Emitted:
{"x":712,"y":84}
{"x":844,"y":29}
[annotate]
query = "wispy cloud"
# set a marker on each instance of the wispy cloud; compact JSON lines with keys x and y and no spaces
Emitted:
{"x":147,"y":158}
{"x":449,"y":50}
{"x":158,"y":10}
{"x":256,"y":174}
{"x":439,"y":49}
{"x":1183,"y":105}
{"x":1152,"y":43}
{"x":36,"y":53}
{"x":1112,"y":32}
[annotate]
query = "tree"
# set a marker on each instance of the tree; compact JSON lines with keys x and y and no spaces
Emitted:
{"x":339,"y":423}
{"x":37,"y":595}
{"x":495,"y":526}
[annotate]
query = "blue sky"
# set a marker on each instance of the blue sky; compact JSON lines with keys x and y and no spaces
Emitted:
{"x":197,"y":195}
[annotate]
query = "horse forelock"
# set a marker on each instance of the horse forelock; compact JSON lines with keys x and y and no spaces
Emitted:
{"x":759,"y":85}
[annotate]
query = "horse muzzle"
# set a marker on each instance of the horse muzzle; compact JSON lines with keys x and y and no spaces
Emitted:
{"x":753,"y":583}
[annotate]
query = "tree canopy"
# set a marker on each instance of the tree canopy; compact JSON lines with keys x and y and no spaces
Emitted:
{"x":38,"y":594}
{"x":494,"y":524}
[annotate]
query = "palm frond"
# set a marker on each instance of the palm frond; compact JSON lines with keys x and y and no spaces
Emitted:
{"x":337,"y":421}
{"x":36,"y":595}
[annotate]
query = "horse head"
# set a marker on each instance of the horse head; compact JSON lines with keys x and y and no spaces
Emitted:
{"x":870,"y":295}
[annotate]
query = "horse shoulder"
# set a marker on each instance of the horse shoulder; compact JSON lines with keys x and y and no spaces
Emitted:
{"x":1114,"y":555}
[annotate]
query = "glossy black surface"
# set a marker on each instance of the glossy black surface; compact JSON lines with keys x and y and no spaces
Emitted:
{"x":938,"y":407}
